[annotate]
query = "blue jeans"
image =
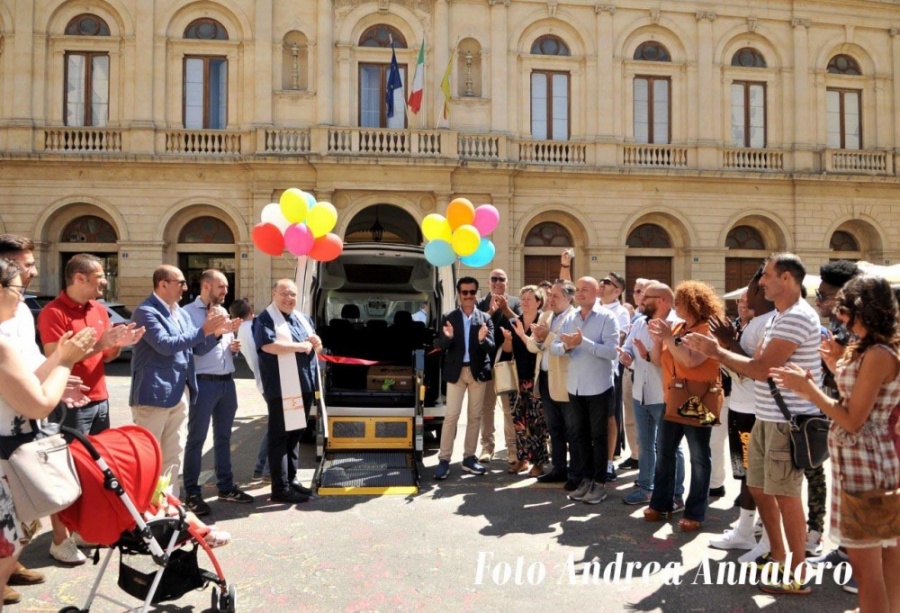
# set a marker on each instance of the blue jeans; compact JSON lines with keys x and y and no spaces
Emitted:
{"x":216,"y":401}
{"x":647,"y":418}
{"x":92,"y":418}
{"x":262,"y":456}
{"x":558,"y":416}
{"x":670,"y":435}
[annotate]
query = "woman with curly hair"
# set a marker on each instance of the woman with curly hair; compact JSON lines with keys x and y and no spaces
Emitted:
{"x":695,"y":303}
{"x":862,"y":446}
{"x":528,"y":417}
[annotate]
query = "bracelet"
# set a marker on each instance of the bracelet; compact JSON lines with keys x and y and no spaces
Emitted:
{"x":563,"y":265}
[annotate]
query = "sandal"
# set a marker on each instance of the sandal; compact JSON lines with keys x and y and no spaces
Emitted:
{"x":536,"y":471}
{"x":217,"y":538}
{"x":654,"y":515}
{"x":688,"y":525}
{"x":517,"y":467}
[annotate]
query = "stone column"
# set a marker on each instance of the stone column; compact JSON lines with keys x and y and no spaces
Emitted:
{"x":607,"y":105}
{"x":263,"y":77}
{"x":894,"y":107}
{"x":256,"y":275}
{"x":803,"y":138}
{"x":325,"y":67}
{"x":503,"y":102}
{"x":343,"y":57}
{"x":443,"y":47}
{"x":20,"y":80}
{"x":708,"y":128}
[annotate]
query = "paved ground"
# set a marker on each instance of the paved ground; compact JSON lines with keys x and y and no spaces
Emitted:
{"x":465,"y":544}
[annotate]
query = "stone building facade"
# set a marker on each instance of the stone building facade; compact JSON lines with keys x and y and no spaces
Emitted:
{"x":668,"y":139}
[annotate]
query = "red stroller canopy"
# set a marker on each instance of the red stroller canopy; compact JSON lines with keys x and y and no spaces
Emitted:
{"x":133,"y":456}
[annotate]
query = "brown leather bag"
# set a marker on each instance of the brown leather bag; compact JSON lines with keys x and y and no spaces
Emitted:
{"x":694,"y":403}
{"x":871,"y":515}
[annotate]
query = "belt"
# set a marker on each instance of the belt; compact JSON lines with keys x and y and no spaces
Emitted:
{"x":466,"y":364}
{"x":206,"y":377}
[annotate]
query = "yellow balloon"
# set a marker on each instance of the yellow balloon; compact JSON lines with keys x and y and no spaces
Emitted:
{"x":293,"y":205}
{"x":465,"y":240}
{"x":321,"y":218}
{"x":436,"y":227}
{"x":460,"y":212}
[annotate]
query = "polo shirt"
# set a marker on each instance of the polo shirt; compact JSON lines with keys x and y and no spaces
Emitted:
{"x":63,"y":314}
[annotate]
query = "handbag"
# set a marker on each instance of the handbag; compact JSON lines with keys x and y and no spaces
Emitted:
{"x":809,"y":434}
{"x":870,"y":515}
{"x":694,"y":403}
{"x":506,"y":377}
{"x":41,"y":474}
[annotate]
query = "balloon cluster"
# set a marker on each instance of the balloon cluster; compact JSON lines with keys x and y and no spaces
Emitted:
{"x":461,"y":233}
{"x":299,"y":224}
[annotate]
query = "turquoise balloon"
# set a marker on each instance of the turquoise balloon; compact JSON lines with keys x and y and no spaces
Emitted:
{"x":440,"y":253}
{"x":482,"y":256}
{"x":310,"y":199}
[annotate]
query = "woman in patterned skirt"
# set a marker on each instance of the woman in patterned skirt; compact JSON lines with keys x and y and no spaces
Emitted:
{"x":25,"y":396}
{"x":863,"y":455}
{"x":528,"y":417}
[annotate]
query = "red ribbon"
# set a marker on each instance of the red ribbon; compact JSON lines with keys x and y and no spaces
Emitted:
{"x":339,"y":359}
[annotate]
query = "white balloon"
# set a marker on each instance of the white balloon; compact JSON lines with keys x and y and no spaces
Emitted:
{"x":272,"y":214}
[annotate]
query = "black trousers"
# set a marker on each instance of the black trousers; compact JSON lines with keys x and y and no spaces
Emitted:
{"x":283,"y":446}
{"x":590,"y":420}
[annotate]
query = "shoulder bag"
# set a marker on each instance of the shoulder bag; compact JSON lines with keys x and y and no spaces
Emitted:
{"x":693,"y":403}
{"x":506,"y":377}
{"x":41,"y":473}
{"x":870,"y":515}
{"x":809,"y":434}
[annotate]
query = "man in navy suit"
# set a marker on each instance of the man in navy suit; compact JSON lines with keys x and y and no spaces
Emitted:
{"x":467,"y":341}
{"x":162,"y":365}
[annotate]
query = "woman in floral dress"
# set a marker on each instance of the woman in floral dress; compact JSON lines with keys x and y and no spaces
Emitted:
{"x":528,"y":417}
{"x":25,"y":396}
{"x":863,"y":455}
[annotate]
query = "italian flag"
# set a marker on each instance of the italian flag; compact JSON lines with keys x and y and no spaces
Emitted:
{"x":415,"y":95}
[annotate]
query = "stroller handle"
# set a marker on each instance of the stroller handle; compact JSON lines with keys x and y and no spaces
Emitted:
{"x":77,"y":434}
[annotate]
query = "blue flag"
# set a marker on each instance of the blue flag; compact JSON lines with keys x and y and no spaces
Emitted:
{"x":393,"y":82}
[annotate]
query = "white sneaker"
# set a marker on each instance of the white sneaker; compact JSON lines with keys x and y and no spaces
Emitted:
{"x":758,"y":527}
{"x":813,"y":543}
{"x":67,"y":553}
{"x":732,"y":539}
{"x":760,"y":548}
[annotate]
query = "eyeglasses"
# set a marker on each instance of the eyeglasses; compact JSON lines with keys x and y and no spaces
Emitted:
{"x":498,"y":279}
{"x":651,"y":297}
{"x":181,"y":282}
{"x":19,"y":289}
{"x":468,"y":292}
{"x":823,"y":297}
{"x":609,"y":282}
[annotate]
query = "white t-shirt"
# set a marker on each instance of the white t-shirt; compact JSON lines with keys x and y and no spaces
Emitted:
{"x":798,"y":324}
{"x":21,"y":329}
{"x":743,"y":389}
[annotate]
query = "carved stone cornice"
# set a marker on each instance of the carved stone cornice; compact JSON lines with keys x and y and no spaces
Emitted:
{"x":894,"y":31}
{"x":796,"y":22}
{"x":605,"y":8}
{"x":709,"y":16}
{"x":496,"y":2}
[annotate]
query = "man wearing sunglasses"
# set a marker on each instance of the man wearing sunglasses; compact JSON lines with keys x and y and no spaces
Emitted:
{"x":467,"y":340}
{"x":162,"y":365}
{"x":500,"y":307}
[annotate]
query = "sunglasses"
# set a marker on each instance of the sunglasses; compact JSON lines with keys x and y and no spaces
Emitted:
{"x":822,"y":297}
{"x":498,"y":279}
{"x":178,"y":281}
{"x":609,"y":282}
{"x":468,"y":292}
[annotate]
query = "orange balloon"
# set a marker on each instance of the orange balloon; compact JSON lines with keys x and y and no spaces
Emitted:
{"x":326,"y":248}
{"x":460,"y":212}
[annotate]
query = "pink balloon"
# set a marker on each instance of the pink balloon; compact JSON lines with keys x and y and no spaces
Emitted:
{"x":486,"y":219}
{"x":298,"y":239}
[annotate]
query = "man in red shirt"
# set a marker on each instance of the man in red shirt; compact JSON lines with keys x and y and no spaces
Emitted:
{"x":74,"y":309}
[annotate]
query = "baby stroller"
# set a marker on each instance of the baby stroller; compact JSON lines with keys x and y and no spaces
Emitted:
{"x":119,"y":470}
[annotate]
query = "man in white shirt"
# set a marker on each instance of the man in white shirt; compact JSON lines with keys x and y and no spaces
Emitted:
{"x":609,"y":294}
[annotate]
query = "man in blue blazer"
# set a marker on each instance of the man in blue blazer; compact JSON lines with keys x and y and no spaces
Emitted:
{"x":467,"y":341}
{"x":162,"y":365}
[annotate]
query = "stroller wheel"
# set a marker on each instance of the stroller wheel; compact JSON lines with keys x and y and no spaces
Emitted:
{"x":70,"y":609}
{"x":232,"y":598}
{"x":214,"y":599}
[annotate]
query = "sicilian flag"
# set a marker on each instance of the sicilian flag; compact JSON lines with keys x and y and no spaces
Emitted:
{"x":418,"y":85}
{"x":445,"y":87}
{"x":393,"y":82}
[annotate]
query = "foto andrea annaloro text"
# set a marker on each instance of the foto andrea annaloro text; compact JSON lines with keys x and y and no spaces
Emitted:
{"x":490,"y":570}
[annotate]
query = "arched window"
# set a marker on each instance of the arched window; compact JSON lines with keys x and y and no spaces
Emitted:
{"x":548,"y":234}
{"x":843,"y":241}
{"x":549,"y":45}
{"x":649,"y":236}
{"x":206,"y":29}
{"x":87,"y":25}
{"x":748,"y":57}
{"x":652,"y":51}
{"x":206,"y":230}
{"x":88,"y":229}
{"x":381,"y":36}
{"x":744,"y":237}
{"x":843,"y":64}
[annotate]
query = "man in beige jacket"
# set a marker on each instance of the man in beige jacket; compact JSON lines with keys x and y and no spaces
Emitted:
{"x":550,"y":373}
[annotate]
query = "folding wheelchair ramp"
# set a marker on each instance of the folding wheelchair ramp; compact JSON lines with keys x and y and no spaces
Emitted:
{"x":372,"y":450}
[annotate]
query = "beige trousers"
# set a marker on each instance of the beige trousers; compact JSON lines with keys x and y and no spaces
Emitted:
{"x":455,"y":396}
{"x":168,"y":426}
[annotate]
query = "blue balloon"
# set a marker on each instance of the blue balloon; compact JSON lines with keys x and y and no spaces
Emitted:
{"x":482,"y":256}
{"x":439,"y":253}
{"x":310,"y":199}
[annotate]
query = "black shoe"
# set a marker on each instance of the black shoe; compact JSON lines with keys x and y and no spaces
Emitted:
{"x":299,"y":487}
{"x":197,"y":505}
{"x":290,"y":496}
{"x":737,"y":501}
{"x":554,"y":476}
{"x":571,"y":485}
{"x":611,"y":476}
{"x":717,"y":492}
{"x":236,"y":495}
{"x":629,"y":464}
